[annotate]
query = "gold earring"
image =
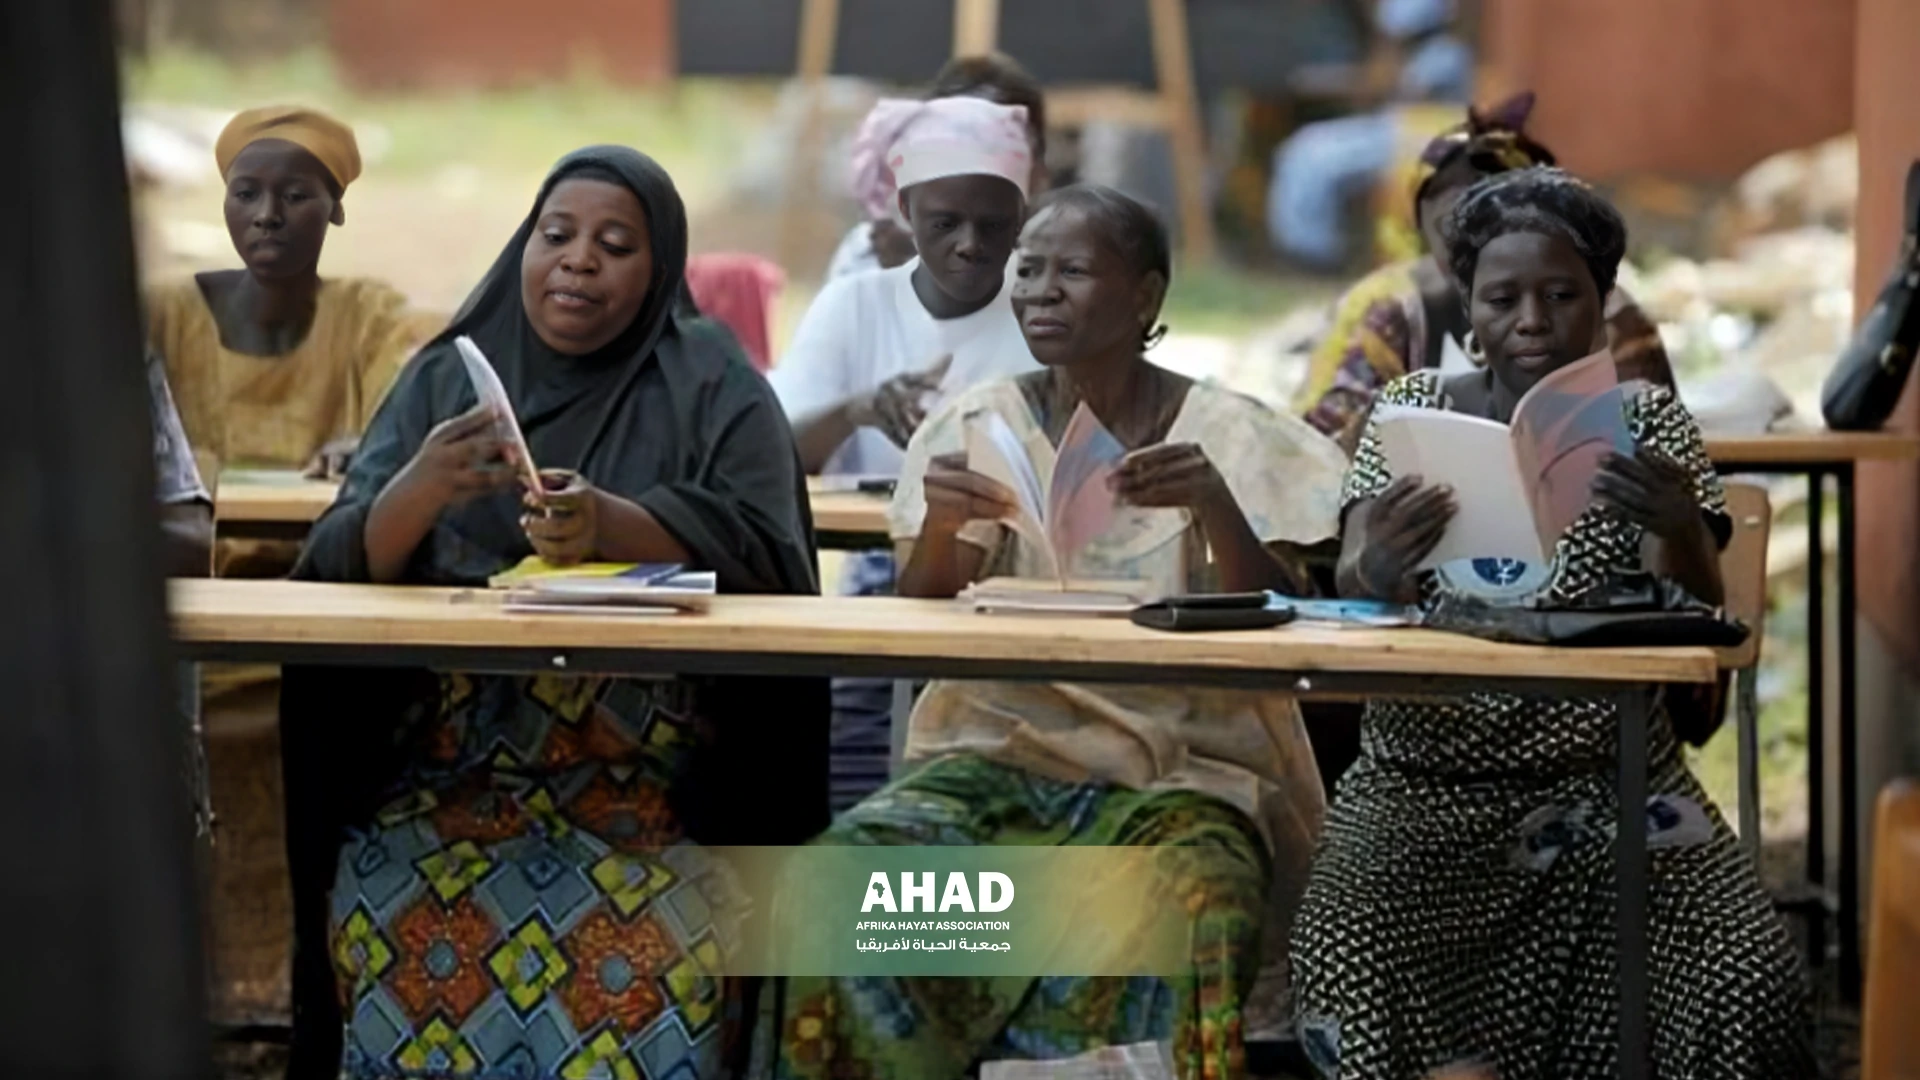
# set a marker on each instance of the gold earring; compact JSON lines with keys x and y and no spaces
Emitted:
{"x":1475,"y":352}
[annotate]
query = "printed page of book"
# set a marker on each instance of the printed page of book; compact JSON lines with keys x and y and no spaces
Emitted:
{"x":1562,"y":430}
{"x":1475,"y":458}
{"x":1080,"y":499}
{"x":488,"y":388}
{"x":995,"y":452}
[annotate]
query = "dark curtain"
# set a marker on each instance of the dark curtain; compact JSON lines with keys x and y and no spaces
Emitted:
{"x":102,"y":962}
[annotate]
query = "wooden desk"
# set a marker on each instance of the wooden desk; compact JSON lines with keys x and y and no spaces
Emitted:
{"x":848,"y":520}
{"x":881,"y":636}
{"x":297,"y":504}
{"x":841,"y":519}
{"x":1818,"y":455}
{"x":296,"y":622}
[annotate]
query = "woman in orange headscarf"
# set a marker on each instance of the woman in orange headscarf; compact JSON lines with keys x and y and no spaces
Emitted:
{"x":270,"y":363}
{"x":1408,"y":315}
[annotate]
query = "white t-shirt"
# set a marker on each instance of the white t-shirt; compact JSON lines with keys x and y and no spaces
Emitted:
{"x":868,"y":327}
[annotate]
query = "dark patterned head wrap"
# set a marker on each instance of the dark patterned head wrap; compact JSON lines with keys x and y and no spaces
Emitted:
{"x":1491,"y":141}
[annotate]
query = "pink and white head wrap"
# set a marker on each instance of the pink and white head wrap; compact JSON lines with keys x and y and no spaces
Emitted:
{"x":902,"y":143}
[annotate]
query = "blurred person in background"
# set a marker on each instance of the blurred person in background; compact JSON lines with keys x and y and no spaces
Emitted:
{"x":1324,"y":164}
{"x":272,"y":365}
{"x":877,"y":346}
{"x":883,"y":241}
{"x":1408,"y":315}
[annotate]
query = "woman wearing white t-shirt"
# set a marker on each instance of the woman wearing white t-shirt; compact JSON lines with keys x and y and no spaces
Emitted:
{"x":878,"y":349}
{"x":881,"y":241}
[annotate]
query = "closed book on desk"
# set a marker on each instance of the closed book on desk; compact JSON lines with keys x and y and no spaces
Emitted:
{"x":667,"y":593}
{"x":1009,"y":595}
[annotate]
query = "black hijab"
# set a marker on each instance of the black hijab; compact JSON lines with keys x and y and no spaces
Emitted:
{"x":669,"y":415}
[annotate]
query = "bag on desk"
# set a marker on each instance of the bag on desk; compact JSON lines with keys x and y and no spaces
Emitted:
{"x":1865,"y":383}
{"x":1631,"y":609}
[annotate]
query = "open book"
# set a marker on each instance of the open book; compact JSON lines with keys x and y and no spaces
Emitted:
{"x":1060,"y":513}
{"x":1518,"y":486}
{"x":487,"y":386}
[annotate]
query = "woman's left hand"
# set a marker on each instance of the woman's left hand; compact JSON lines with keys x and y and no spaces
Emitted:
{"x":1651,"y":491}
{"x":330,"y":461}
{"x":562,"y":521}
{"x":1171,"y":474}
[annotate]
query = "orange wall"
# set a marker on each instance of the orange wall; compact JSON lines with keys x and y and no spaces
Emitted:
{"x":463,"y":43}
{"x":1696,"y":89}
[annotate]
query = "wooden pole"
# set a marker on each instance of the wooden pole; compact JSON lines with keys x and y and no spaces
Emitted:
{"x":1173,"y":64}
{"x":819,"y":22}
{"x":976,"y":26}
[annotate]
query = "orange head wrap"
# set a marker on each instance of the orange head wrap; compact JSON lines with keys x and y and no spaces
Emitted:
{"x":318,"y":134}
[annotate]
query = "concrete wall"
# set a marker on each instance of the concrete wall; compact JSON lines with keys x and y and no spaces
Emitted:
{"x":467,"y":43}
{"x":1694,"y":89}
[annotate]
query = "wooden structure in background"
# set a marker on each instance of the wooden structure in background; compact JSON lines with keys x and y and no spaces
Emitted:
{"x":1172,"y":107}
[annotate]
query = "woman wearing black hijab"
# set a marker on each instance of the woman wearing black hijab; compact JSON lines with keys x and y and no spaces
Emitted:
{"x":516,"y":883}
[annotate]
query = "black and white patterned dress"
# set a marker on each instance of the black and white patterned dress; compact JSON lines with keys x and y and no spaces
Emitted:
{"x":1462,"y":907}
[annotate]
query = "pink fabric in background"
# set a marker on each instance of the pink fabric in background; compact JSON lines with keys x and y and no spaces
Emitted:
{"x":739,"y":292}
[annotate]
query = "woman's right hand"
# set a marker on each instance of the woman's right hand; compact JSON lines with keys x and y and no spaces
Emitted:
{"x":461,"y":459}
{"x":1403,"y":525}
{"x":956,"y":496}
{"x":898,"y":405}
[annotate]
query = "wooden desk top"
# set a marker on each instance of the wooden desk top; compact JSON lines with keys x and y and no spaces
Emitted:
{"x":848,"y":512}
{"x":1811,"y":447}
{"x":303,"y":502}
{"x":317,"y":623}
{"x":299,"y":503}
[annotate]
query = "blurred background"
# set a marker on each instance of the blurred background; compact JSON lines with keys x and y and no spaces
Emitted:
{"x":1723,"y":128}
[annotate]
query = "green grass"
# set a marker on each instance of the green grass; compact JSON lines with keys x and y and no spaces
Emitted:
{"x":522,"y":129}
{"x":1224,"y":300}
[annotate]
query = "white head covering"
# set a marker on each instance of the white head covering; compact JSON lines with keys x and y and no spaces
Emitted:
{"x":904,"y":142}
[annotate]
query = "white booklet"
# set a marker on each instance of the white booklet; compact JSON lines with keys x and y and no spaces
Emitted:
{"x":1058,"y":514}
{"x":1518,"y":487}
{"x":487,"y":386}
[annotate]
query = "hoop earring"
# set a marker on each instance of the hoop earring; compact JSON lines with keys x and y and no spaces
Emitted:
{"x":1475,"y":351}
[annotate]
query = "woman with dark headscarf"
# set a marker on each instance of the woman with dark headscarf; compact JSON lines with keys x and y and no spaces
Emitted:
{"x":1462,"y":905}
{"x":529,"y":898}
{"x":1408,"y":316}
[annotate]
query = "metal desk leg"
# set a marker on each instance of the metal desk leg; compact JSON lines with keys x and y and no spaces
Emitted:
{"x":1849,"y":929}
{"x":1816,"y":716}
{"x":897,"y":729}
{"x":1630,"y":868}
{"x":1746,"y":719}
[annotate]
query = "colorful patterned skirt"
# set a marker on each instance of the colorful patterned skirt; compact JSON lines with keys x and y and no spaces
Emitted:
{"x":541,"y":917}
{"x":928,"y":1028}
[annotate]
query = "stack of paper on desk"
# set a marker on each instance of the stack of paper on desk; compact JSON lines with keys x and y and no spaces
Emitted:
{"x":600,"y":588}
{"x":1044,"y":596}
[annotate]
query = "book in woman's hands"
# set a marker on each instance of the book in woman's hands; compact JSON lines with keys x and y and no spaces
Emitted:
{"x":488,"y":388}
{"x":1060,"y":513}
{"x":1518,"y":486}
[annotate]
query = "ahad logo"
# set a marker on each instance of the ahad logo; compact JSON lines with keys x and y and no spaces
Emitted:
{"x":995,"y":891}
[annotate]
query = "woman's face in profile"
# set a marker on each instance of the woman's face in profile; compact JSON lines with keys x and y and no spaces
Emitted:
{"x":1535,"y":307}
{"x":587,"y":266}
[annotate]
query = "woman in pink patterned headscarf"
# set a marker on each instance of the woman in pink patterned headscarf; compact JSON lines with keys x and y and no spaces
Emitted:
{"x":881,"y":240}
